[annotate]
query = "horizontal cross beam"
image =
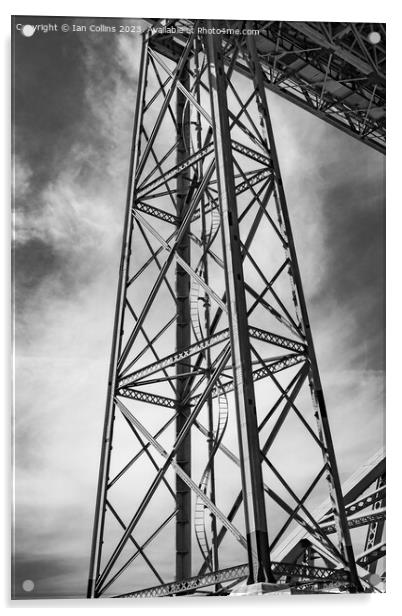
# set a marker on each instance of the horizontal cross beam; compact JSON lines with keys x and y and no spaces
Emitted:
{"x":156,"y":212}
{"x":261,"y":373}
{"x":174,"y":358}
{"x":144,"y":396}
{"x":189,"y":585}
{"x":356,"y":521}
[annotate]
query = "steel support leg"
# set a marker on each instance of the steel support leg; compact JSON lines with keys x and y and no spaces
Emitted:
{"x":345,"y":543}
{"x":100,"y":508}
{"x":183,"y":340}
{"x":250,"y":456}
{"x":214,"y":556}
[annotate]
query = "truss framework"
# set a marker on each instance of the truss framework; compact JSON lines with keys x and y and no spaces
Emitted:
{"x":299,"y":555}
{"x":212,"y":337}
{"x":331,"y":70}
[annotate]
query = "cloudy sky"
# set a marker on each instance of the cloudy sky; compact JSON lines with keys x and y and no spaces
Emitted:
{"x":74,"y":96}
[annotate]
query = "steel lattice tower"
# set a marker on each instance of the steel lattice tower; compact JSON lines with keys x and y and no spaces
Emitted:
{"x":216,"y":423}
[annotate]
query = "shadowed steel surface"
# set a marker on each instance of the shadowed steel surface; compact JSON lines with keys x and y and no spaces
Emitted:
{"x":183,"y":338}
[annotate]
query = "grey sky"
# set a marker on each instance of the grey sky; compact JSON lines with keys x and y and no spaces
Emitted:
{"x":74,"y":99}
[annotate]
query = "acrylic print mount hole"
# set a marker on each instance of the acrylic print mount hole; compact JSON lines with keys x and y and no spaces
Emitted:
{"x":28,"y":585}
{"x":28,"y":30}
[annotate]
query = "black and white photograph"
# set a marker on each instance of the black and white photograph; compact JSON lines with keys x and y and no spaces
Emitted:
{"x":198,"y":307}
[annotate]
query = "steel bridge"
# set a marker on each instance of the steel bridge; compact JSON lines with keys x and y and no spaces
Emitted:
{"x":217,"y":448}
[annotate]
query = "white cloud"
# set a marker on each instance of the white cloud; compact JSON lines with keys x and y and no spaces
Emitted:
{"x":66,"y":330}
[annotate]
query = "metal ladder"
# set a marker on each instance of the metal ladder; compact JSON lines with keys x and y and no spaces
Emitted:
{"x":200,"y":508}
{"x":197,"y":296}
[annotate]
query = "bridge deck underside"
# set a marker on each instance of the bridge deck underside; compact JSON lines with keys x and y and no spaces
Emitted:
{"x":332,"y":70}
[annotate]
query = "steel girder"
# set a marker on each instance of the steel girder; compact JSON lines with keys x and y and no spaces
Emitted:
{"x":365,"y":507}
{"x":295,"y":569}
{"x":331,"y":70}
{"x":376,"y":528}
{"x":289,"y":571}
{"x":207,"y":244}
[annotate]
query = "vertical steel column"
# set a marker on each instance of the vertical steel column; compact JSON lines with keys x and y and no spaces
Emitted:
{"x":314,"y":376}
{"x":183,"y":336}
{"x":100,"y":508}
{"x":214,"y":560}
{"x":375,"y":529}
{"x":249,"y":449}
